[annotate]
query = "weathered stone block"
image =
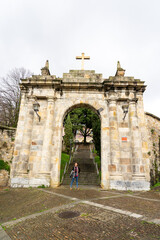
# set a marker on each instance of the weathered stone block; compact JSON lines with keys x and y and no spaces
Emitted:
{"x":125,"y":161}
{"x":142,"y":169}
{"x":112,"y":168}
{"x":4,"y":177}
{"x":129,"y":169}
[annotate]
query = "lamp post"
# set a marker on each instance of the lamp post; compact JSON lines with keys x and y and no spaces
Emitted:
{"x":36,"y":107}
{"x":125,"y":110}
{"x":99,"y":110}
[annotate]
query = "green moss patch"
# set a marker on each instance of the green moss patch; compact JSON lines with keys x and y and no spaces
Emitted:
{"x":4,"y":166}
{"x":64,"y":160}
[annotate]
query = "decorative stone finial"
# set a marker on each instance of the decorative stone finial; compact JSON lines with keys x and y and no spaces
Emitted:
{"x":120,"y":71}
{"x":45,"y":70}
{"x":47,"y":64}
{"x":118,"y":65}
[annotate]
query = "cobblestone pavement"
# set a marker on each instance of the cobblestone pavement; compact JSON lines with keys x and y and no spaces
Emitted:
{"x":140,"y":206}
{"x":102,"y":214}
{"x":83,"y":193}
{"x":16,"y":203}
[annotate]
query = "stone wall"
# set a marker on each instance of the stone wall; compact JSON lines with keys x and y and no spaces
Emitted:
{"x":7,"y":137}
{"x":153,"y":124}
{"x":4,"y":178}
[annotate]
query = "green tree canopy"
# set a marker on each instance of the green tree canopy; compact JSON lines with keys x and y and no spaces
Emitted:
{"x":86,"y":121}
{"x":96,"y":127}
{"x":68,"y":133}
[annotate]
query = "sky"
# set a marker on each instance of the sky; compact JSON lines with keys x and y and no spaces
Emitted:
{"x":33,"y":31}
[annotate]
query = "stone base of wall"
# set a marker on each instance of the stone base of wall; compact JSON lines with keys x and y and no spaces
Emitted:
{"x":4,"y":178}
{"x":114,"y":184}
{"x":29,"y":182}
{"x":130,"y":185}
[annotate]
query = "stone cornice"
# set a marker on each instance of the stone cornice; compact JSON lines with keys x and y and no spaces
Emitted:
{"x":75,"y":83}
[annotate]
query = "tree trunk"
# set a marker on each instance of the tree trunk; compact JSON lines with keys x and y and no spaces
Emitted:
{"x":85,"y":135}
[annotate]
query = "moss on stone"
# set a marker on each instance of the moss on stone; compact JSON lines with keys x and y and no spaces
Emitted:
{"x":4,"y":166}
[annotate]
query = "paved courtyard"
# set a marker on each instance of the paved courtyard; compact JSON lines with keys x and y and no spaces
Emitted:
{"x":89,"y":213}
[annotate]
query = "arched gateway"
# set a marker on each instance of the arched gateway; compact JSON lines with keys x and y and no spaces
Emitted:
{"x":124,"y":136}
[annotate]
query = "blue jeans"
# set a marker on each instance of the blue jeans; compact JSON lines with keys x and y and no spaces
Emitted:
{"x":73,"y":181}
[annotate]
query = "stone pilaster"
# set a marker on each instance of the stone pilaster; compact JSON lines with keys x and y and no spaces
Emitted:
{"x":136,"y":144}
{"x":19,"y":134}
{"x":57,"y":144}
{"x":47,"y":142}
{"x":27,"y":136}
{"x":105,"y":148}
{"x":114,"y":137}
{"x":144,"y":168}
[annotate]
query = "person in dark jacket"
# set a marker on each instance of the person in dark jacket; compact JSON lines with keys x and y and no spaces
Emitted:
{"x":74,"y":175}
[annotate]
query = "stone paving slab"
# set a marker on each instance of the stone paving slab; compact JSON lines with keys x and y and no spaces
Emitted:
{"x":3,"y":235}
{"x":83,"y":193}
{"x":93,"y":223}
{"x":16,"y":203}
{"x":135,"y":205}
{"x":147,"y":194}
{"x":150,"y":194}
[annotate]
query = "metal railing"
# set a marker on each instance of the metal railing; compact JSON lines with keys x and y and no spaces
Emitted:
{"x":96,"y":165}
{"x":72,"y":150}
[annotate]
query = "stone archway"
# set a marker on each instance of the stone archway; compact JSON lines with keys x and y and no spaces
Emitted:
{"x":57,"y":142}
{"x":84,"y":105}
{"x":124,"y":136}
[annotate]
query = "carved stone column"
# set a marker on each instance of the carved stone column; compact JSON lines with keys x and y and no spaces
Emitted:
{"x":27,"y":135}
{"x":114,"y":136}
{"x":136,"y":144}
{"x":47,"y":141}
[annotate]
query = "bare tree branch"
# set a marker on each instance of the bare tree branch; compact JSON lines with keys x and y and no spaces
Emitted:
{"x":10,"y":96}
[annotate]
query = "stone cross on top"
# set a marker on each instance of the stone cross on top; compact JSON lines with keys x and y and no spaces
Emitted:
{"x":82,"y":58}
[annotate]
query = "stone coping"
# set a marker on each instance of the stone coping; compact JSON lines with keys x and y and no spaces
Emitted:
{"x":152,"y":115}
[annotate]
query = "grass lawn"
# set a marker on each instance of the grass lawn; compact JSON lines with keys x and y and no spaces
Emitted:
{"x":156,"y":186}
{"x":98,"y":161}
{"x":64,"y":160}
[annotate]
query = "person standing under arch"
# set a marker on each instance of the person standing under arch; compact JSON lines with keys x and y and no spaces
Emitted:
{"x":74,"y":175}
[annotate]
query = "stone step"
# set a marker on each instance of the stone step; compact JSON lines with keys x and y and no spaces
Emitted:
{"x":83,"y":179}
{"x":82,"y":183}
{"x":88,"y":174}
{"x":84,"y":170}
{"x":83,"y":174}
